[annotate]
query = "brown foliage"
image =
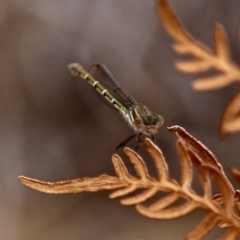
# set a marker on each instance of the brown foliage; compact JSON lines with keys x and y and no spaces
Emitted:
{"x":204,"y":59}
{"x":223,"y":208}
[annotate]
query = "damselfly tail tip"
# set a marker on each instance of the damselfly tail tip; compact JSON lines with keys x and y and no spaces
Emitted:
{"x":75,"y":69}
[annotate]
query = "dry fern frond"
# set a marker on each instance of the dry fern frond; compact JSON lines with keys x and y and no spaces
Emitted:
{"x":235,"y":174}
{"x":223,"y":208}
{"x":230,"y":121}
{"x":205,"y":59}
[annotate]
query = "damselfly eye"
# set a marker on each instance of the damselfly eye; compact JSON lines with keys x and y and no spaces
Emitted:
{"x":150,"y":120}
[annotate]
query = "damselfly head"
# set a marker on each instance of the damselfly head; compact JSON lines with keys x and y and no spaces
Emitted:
{"x":150,"y":120}
{"x":149,"y":124}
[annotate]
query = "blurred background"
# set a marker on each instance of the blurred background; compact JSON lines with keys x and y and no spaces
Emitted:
{"x":55,"y":127}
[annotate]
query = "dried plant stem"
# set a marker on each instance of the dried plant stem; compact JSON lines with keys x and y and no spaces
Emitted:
{"x":223,"y":208}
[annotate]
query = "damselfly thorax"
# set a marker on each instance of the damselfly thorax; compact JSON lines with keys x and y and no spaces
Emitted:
{"x":142,"y":120}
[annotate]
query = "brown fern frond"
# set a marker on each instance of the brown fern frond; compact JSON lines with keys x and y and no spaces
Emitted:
{"x":223,"y":208}
{"x":204,"y":227}
{"x":230,"y":121}
{"x":205,"y":59}
{"x":103,"y":182}
{"x":235,"y":174}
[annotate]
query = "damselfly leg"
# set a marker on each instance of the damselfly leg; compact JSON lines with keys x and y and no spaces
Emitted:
{"x":124,"y":143}
{"x":153,"y":138}
{"x":138,"y":141}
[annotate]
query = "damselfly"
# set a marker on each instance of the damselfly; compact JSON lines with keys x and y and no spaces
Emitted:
{"x":137,"y":115}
